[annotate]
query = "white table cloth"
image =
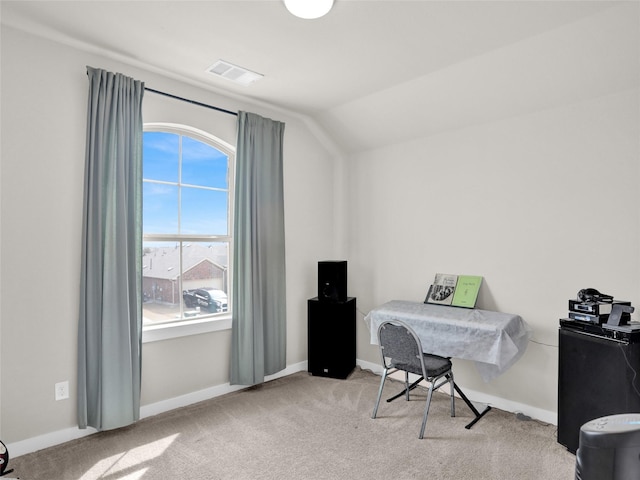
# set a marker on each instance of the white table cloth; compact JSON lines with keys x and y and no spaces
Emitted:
{"x":493,"y":340}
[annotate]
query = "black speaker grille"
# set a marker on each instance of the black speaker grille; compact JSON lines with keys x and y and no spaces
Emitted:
{"x":332,"y":280}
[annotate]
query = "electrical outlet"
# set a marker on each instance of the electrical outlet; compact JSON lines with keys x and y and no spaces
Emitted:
{"x":62,"y":390}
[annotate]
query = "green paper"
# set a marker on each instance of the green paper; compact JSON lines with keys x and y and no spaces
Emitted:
{"x":466,"y":292}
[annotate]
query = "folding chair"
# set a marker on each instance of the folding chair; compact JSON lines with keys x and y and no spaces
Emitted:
{"x":401,"y":350}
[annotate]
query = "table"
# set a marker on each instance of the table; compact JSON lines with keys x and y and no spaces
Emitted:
{"x":494,"y":341}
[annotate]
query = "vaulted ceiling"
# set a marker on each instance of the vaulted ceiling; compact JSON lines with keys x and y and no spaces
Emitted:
{"x":371,"y":72}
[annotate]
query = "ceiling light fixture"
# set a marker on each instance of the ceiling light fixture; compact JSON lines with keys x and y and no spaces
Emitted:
{"x":308,"y":9}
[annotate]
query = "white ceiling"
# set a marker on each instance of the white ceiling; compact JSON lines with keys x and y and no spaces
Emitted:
{"x":370,"y":72}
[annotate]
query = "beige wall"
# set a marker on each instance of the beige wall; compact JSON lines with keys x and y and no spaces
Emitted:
{"x":540,"y":206}
{"x":44,"y":92}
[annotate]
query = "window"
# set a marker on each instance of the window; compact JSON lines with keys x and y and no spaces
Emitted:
{"x":186,"y":225}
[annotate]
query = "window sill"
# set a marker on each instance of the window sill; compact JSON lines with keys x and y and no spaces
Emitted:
{"x":167,"y":331}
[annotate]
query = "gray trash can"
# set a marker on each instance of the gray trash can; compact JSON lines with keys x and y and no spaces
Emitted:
{"x":609,"y":448}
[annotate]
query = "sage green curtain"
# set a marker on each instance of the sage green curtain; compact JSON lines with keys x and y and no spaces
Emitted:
{"x":259,"y":312}
{"x":110,"y":320}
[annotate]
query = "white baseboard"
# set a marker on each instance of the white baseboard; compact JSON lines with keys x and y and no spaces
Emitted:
{"x":212,"y":392}
{"x":61,"y":436}
{"x":483,"y":398}
{"x":374,"y":367}
{"x":47,"y":440}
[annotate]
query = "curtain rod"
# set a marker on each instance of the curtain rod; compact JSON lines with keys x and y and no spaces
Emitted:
{"x":191,"y":101}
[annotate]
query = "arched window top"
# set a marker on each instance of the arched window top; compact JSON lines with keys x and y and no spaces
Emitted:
{"x":192,"y":132}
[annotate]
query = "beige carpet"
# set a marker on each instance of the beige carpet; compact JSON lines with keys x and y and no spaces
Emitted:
{"x":305,"y":427}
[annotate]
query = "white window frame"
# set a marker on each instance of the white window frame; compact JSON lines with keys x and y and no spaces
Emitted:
{"x":181,"y":328}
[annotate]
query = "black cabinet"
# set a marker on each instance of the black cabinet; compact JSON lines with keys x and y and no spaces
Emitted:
{"x":331,"y":337}
{"x":596,"y":377}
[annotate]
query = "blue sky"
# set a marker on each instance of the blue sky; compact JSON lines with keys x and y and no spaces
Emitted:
{"x":204,"y":196}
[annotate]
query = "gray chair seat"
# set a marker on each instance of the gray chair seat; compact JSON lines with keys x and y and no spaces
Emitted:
{"x":435,"y":366}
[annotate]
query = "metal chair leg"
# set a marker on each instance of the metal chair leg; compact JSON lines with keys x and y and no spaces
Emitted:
{"x":375,"y":409}
{"x":426,"y":411}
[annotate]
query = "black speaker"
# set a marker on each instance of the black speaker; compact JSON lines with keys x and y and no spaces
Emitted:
{"x":332,"y":337}
{"x":332,"y":281}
